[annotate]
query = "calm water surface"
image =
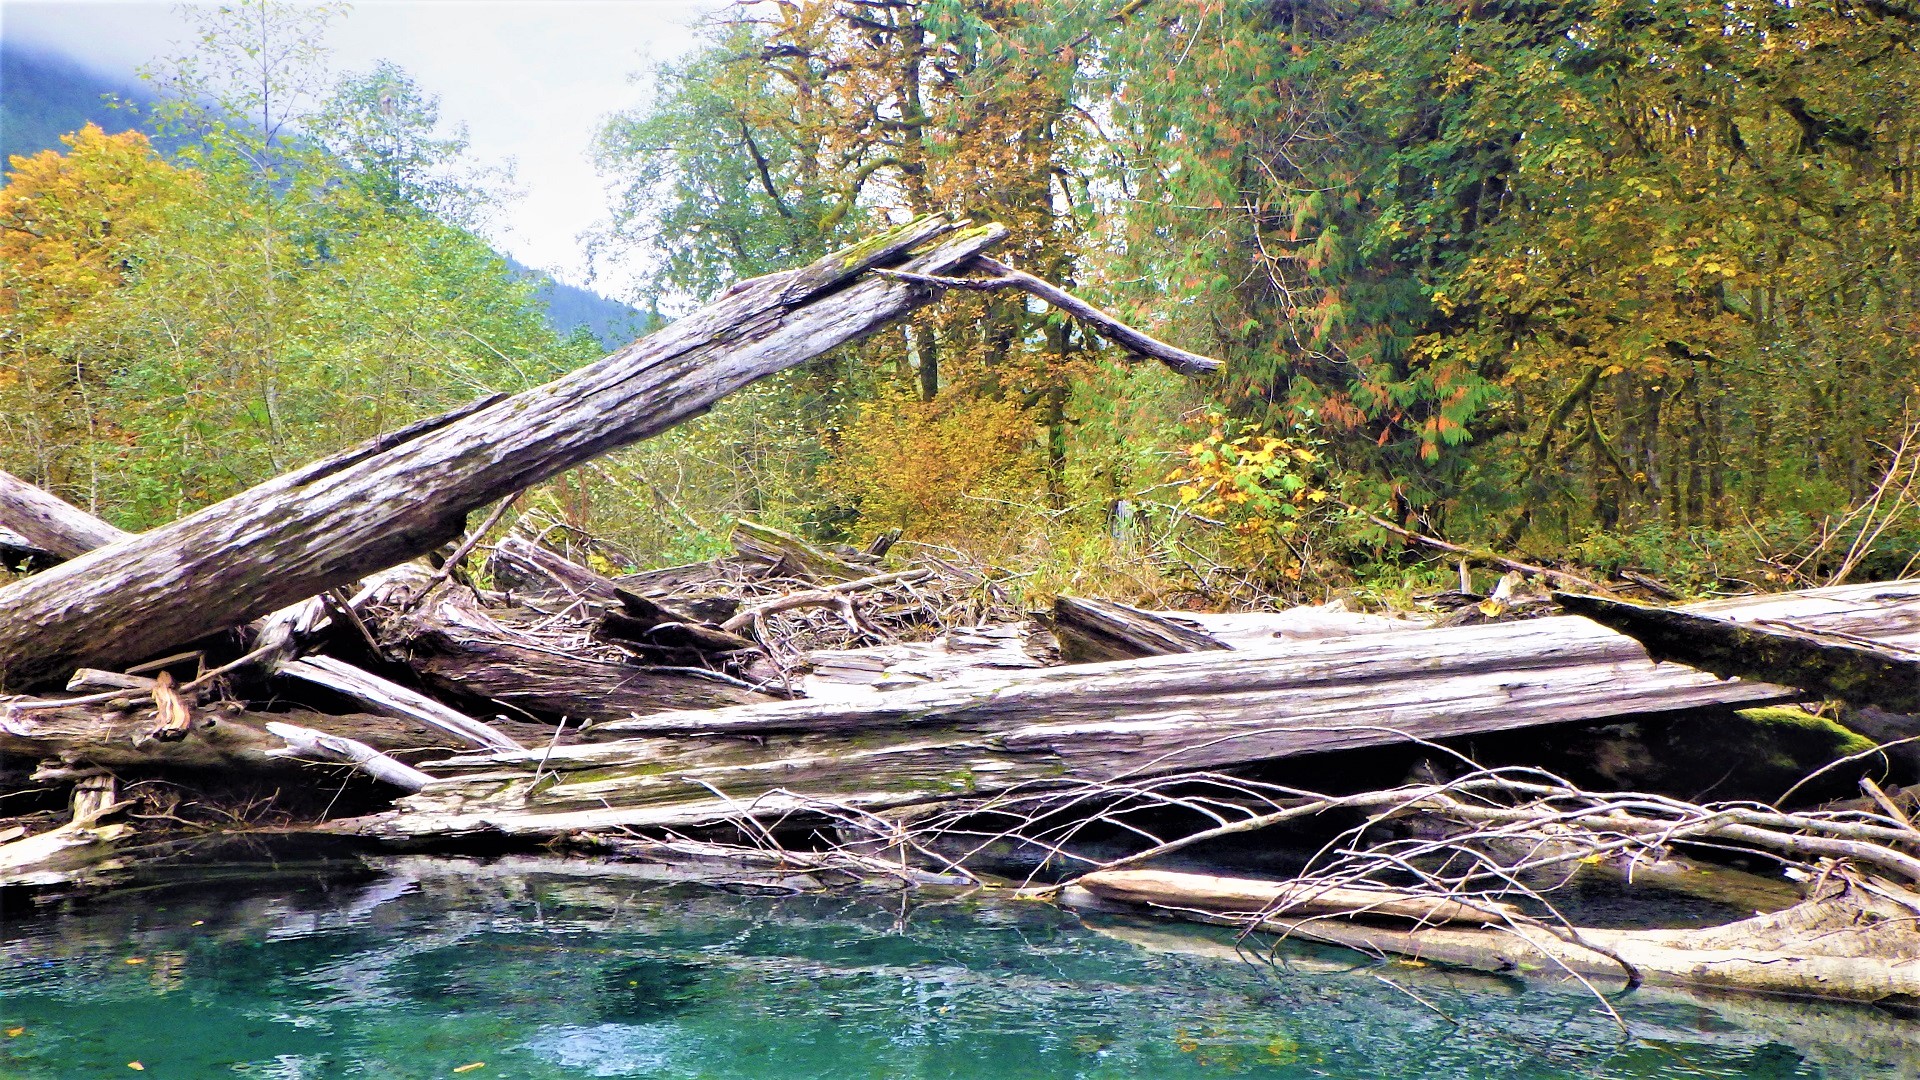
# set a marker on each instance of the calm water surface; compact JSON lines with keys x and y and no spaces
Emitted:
{"x":530,"y":969}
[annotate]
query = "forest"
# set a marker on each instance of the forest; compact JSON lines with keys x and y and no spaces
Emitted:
{"x":1371,"y":472}
{"x":1622,"y":285}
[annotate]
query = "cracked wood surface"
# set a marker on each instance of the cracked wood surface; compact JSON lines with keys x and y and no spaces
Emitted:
{"x":1104,"y":721}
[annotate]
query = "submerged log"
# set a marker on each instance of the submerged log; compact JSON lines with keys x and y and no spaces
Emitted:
{"x":1100,"y":722}
{"x":1248,"y":896}
{"x":1847,"y":666}
{"x":1845,"y":942}
{"x":331,"y":522}
{"x":1090,"y":631}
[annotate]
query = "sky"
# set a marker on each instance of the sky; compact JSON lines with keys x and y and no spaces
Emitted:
{"x":531,"y":79}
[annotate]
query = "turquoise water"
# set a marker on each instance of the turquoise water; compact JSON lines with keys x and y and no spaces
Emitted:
{"x":420,"y":967}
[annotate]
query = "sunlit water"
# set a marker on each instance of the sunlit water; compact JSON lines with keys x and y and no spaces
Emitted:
{"x":533,"y":969}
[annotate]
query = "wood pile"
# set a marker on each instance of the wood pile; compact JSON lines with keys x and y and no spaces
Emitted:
{"x":894,"y":709}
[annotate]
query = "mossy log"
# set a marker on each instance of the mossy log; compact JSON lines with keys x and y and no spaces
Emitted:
{"x":332,"y":522}
{"x":1845,"y":665}
{"x":1095,"y":722}
{"x":786,"y":555}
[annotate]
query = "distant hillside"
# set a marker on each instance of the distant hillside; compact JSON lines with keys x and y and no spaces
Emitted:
{"x":569,"y":306}
{"x":44,"y":95}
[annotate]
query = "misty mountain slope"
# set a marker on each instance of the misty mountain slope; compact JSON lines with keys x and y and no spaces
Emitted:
{"x":44,"y":95}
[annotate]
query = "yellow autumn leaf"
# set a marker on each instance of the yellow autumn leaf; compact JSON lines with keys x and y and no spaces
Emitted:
{"x":471,"y":1066}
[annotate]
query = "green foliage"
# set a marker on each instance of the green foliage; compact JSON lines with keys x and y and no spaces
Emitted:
{"x":263,"y":303}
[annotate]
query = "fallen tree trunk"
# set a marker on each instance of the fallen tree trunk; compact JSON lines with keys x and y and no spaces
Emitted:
{"x":1844,"y":943}
{"x":49,"y":523}
{"x":455,"y":647}
{"x":387,"y":698}
{"x":334,"y":521}
{"x":1844,"y":666}
{"x":219,"y":740}
{"x":1100,"y":722}
{"x":1091,"y":631}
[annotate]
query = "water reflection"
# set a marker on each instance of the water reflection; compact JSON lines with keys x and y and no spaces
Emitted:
{"x":553,"y":969}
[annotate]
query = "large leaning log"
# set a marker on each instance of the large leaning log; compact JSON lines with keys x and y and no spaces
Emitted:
{"x":1103,"y":722}
{"x":332,"y":522}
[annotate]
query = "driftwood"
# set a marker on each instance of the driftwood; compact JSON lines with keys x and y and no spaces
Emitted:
{"x":375,"y":694}
{"x":50,"y":524}
{"x":1090,"y":631}
{"x":221,"y":740}
{"x":1098,"y":722}
{"x":329,"y":523}
{"x":455,"y":647}
{"x":1826,"y":663}
{"x":1847,"y":942}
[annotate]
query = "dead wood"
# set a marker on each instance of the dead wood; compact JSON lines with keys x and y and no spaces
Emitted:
{"x":223,"y":740}
{"x":781,"y":554}
{"x":1139,"y":718}
{"x":329,"y":523}
{"x":1247,"y":896}
{"x":1848,"y":942}
{"x":50,"y":524}
{"x":306,"y":744}
{"x":378,"y":695}
{"x":1825,"y":663}
{"x":456,"y":647}
{"x":1091,"y":631}
{"x":520,"y":566}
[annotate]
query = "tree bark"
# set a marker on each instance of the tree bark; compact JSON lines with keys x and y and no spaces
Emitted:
{"x":1090,"y":631}
{"x":50,"y":524}
{"x":334,"y":521}
{"x":1845,"y":666}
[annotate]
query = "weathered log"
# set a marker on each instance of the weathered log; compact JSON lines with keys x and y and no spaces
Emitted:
{"x":784,"y":554}
{"x":1249,"y":896}
{"x":1845,"y":666}
{"x":1098,"y":722}
{"x":455,"y":647}
{"x":329,"y":523}
{"x":74,"y":851}
{"x":306,"y":744}
{"x":519,"y":565}
{"x":1844,"y":943}
{"x":1090,"y":631}
{"x":220,"y":740}
{"x":388,"y":698}
{"x":49,"y":523}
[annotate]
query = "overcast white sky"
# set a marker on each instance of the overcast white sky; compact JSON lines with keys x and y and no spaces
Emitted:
{"x":530,"y":78}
